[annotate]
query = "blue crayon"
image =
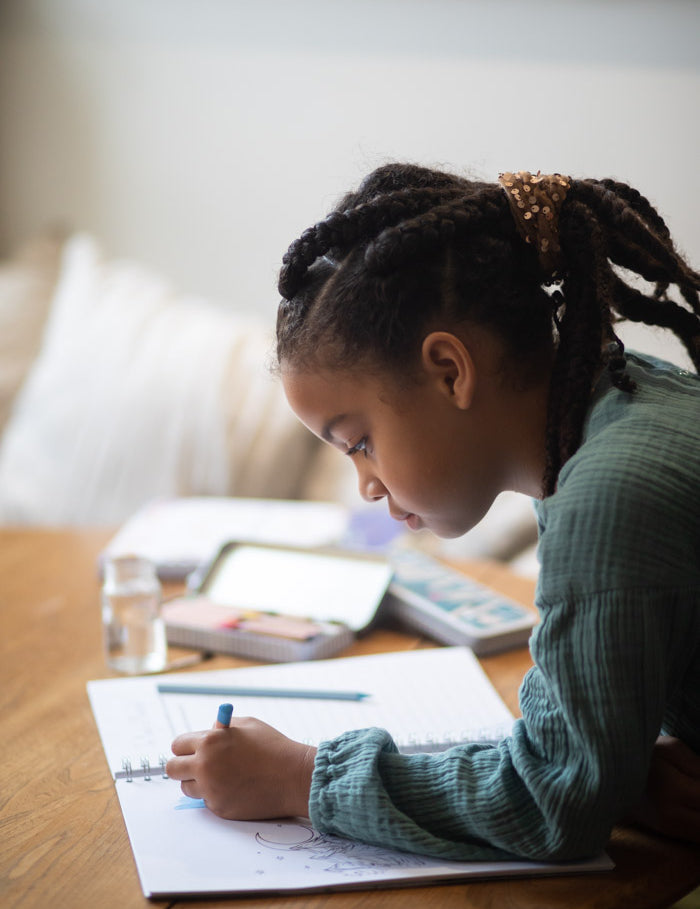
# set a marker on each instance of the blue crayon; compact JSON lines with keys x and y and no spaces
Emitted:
{"x":223,"y":718}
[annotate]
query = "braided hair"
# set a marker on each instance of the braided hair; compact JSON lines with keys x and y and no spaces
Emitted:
{"x":413,"y":250}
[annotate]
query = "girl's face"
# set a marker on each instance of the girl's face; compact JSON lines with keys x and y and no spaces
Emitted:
{"x":410,"y":445}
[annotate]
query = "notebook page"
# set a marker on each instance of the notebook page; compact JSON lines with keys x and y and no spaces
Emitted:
{"x":182,"y":848}
{"x":426,"y":696}
{"x":439,"y":695}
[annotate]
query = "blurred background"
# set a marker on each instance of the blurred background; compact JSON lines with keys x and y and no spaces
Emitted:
{"x":196,"y":139}
{"x":202,"y":136}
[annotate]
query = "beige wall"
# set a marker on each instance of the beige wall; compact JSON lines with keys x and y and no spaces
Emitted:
{"x":201,"y":136}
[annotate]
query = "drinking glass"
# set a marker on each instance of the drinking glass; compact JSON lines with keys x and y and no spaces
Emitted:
{"x":134,"y":631}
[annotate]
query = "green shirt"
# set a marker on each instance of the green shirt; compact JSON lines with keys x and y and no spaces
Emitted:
{"x":616,"y":653}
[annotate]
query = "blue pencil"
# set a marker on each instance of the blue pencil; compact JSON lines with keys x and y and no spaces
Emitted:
{"x":223,"y":718}
{"x":165,"y":688}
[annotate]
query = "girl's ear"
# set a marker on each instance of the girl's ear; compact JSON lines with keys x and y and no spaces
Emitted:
{"x":449,"y":364}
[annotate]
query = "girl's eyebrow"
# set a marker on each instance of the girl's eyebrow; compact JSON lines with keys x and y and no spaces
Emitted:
{"x":327,"y":431}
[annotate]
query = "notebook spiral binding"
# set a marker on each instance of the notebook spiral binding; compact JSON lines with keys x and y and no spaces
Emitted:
{"x":145,"y":770}
{"x":488,"y":736}
{"x":491,"y":735}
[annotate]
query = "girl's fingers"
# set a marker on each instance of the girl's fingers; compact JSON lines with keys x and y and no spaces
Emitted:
{"x":671,"y":785}
{"x":186,"y":743}
{"x":676,"y":752}
{"x":687,"y":787}
{"x":675,"y":773}
{"x":180,"y":768}
{"x":680,"y":823}
{"x":191,"y":789}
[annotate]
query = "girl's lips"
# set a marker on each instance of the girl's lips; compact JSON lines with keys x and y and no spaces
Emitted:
{"x":412,"y":520}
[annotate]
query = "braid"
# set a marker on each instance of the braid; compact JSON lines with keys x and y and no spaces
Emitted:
{"x":413,"y":248}
{"x":638,"y":307}
{"x":639,"y":239}
{"x":641,"y":205}
{"x":432,"y":230}
{"x":605,"y":222}
{"x":341,"y":230}
{"x":578,"y":352}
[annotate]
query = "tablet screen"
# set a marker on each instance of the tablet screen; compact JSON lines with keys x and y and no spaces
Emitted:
{"x":314,"y":585}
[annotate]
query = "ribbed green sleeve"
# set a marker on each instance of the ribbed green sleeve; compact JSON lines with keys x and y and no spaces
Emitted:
{"x":616,"y":653}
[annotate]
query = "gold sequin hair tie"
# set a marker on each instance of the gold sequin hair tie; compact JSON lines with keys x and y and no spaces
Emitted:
{"x":535,"y":202}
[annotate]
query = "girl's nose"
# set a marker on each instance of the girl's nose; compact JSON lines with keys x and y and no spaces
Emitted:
{"x":371,"y":488}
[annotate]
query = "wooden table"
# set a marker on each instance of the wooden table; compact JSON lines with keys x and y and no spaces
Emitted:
{"x":62,"y":838}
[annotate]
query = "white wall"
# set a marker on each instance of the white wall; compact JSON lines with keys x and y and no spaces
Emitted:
{"x":201,"y":136}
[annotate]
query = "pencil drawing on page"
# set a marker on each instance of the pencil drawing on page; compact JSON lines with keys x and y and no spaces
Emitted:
{"x":340,"y":855}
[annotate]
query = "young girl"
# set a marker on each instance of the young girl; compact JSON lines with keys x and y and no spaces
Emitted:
{"x":456,"y":339}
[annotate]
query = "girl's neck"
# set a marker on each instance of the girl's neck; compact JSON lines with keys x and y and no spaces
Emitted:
{"x":512,"y":411}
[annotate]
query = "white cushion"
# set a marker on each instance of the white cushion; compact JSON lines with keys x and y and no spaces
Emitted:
{"x":27,"y":282}
{"x":138,"y":392}
{"x":527,"y":564}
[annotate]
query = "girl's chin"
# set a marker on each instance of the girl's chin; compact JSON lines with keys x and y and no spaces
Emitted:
{"x":414,"y":523}
{"x":445,"y":529}
{"x":446,"y":532}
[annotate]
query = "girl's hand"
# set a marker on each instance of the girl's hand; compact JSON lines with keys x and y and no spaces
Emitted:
{"x":672,"y":800}
{"x":248,"y":771}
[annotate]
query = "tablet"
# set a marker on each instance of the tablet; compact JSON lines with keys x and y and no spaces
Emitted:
{"x":320,"y":584}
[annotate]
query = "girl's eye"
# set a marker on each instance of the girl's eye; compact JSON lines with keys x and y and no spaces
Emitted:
{"x":361,"y":446}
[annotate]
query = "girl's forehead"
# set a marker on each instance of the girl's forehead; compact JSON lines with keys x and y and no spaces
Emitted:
{"x":325,"y":392}
{"x":320,"y":398}
{"x":321,"y":384}
{"x":366,"y":375}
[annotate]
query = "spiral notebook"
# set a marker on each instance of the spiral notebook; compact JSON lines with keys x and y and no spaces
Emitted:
{"x":182,"y":849}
